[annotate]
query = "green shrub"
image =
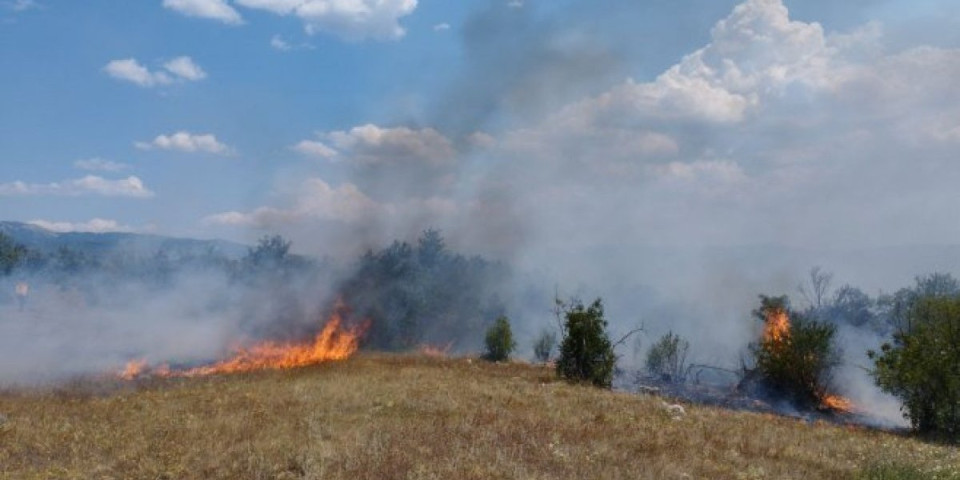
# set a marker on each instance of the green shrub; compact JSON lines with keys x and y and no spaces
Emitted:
{"x":922,"y":365}
{"x":586,"y":354}
{"x":796,"y":359}
{"x":668,"y":357}
{"x":499,"y":341}
{"x":543,"y":346}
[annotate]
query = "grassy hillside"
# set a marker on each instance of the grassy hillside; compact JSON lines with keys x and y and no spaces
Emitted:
{"x":383,"y":417}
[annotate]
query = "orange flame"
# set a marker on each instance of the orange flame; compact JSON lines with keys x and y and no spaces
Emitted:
{"x":777,"y":331}
{"x":435,"y":351}
{"x":332,"y":343}
{"x":837,"y":403}
{"x":134,"y":369}
{"x":777,"y":328}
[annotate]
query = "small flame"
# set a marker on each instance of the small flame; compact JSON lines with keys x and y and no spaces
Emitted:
{"x":134,"y":369}
{"x":777,"y":328}
{"x":837,"y":403}
{"x":332,"y":343}
{"x":435,"y":351}
{"x":776,"y":331}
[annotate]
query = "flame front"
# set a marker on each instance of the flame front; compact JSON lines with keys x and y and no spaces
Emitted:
{"x":777,"y":327}
{"x":837,"y":403}
{"x":334,"y":342}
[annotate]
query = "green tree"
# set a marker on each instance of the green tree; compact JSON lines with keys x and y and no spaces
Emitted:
{"x":499,"y":341}
{"x":796,"y":355}
{"x":668,"y":357}
{"x":586,"y":354}
{"x":11,"y":254}
{"x":543,"y":346}
{"x":271,"y":251}
{"x":922,"y":364}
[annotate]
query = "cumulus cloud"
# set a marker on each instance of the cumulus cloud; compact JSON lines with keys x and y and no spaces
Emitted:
{"x":96,"y":225}
{"x":100,"y":165}
{"x":279,"y":43}
{"x":352,"y":20}
{"x":441,"y":27}
{"x":179,"y":69}
{"x":371,"y":145}
{"x":185,"y":68}
{"x":315,"y":199}
{"x":316,"y":149}
{"x":773,"y":120}
{"x":218,"y":10}
{"x":89,"y":185}
{"x":316,"y":202}
{"x":187,"y":142}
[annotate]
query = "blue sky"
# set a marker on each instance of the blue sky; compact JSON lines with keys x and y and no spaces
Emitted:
{"x":505,"y":123}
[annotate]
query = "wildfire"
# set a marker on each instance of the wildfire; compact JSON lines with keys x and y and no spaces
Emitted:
{"x":837,"y":403}
{"x":435,"y":351}
{"x":334,"y":342}
{"x":777,"y":328}
{"x":777,"y":331}
{"x":134,"y":369}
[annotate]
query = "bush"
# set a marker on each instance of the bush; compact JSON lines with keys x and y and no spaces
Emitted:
{"x":11,"y":254}
{"x":796,"y":356}
{"x":668,"y":357}
{"x":499,"y":341}
{"x":586,"y":354}
{"x":921,"y":365}
{"x":543,"y":346}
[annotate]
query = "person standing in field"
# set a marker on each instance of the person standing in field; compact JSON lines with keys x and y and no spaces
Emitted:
{"x":22,"y":290}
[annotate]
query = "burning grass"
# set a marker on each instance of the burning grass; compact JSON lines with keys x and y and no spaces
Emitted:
{"x":384,"y":417}
{"x":333,"y":342}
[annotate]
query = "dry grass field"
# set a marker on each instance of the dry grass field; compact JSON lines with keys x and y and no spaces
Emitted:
{"x":403,"y":417}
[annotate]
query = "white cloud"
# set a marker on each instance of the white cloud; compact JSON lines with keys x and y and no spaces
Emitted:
{"x":280,"y":7}
{"x":187,"y":142}
{"x":96,"y":225}
{"x":774,"y":131}
{"x":279,"y":43}
{"x":515,"y":4}
{"x":88,"y":185}
{"x":352,"y":20}
{"x":130,"y":70}
{"x":179,"y":69}
{"x":315,"y":149}
{"x":211,"y":9}
{"x":441,"y":27}
{"x":99,"y":165}
{"x":371,"y":145}
{"x":315,"y":200}
{"x":185,"y":68}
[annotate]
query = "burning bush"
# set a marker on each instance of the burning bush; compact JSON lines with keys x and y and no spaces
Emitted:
{"x":796,"y":356}
{"x":586,"y":354}
{"x":921,"y":365}
{"x":499,"y":341}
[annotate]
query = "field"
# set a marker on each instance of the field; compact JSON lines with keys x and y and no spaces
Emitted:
{"x":404,"y":417}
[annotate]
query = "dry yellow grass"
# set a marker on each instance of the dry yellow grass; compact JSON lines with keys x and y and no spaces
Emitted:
{"x":384,"y":417}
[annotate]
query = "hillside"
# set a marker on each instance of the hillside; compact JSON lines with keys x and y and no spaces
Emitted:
{"x":48,"y":241}
{"x":383,"y":417}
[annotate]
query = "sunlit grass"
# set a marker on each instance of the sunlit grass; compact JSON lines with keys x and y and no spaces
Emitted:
{"x":383,"y":417}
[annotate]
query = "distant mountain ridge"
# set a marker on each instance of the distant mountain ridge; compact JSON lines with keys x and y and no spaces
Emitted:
{"x":48,"y":241}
